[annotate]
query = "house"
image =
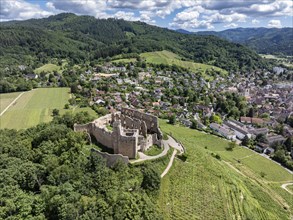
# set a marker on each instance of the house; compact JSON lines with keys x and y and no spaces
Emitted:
{"x":223,"y":131}
{"x":100,"y":102}
{"x":264,"y":148}
{"x":257,"y":131}
{"x":250,"y":120}
{"x":31,"y":76}
{"x":275,"y":139}
{"x":260,"y":147}
{"x":239,"y":132}
{"x":186,"y":122}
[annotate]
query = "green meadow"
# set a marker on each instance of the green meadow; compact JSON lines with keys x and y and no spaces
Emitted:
{"x":7,"y":98}
{"x":169,"y":58}
{"x":35,"y":107}
{"x":232,"y":187}
{"x":47,"y":68}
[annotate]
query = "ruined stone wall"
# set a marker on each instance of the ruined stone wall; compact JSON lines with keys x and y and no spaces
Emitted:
{"x":127,"y":146}
{"x":151,"y":121}
{"x":111,"y":159}
{"x":102,"y":136}
{"x":85,"y":127}
{"x":145,"y":131}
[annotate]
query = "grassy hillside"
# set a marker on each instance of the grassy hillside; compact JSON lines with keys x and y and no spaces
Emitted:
{"x":35,"y":107}
{"x":169,"y":58}
{"x":204,"y":187}
{"x":47,"y":68}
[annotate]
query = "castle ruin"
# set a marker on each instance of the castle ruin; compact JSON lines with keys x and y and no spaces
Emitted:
{"x":126,"y":132}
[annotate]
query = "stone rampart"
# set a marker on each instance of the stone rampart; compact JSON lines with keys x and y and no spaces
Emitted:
{"x":102,"y":135}
{"x":151,"y":121}
{"x":111,"y":159}
{"x":132,"y":131}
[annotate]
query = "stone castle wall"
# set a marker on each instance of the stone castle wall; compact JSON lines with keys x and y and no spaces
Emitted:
{"x":151,"y":121}
{"x":111,"y":159}
{"x":132,"y":131}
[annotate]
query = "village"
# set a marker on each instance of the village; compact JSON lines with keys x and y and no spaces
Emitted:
{"x":254,"y":109}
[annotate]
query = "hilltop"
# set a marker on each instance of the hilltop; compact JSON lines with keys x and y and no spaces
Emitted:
{"x":87,"y":38}
{"x":262,"y":40}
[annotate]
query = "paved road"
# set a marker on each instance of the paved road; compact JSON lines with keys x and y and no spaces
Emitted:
{"x":11,"y":104}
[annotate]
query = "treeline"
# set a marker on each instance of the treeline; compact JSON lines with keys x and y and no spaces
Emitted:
{"x":45,"y":174}
{"x":86,"y":38}
{"x":262,"y":40}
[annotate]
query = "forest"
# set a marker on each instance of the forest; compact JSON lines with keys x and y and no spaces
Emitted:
{"x":44,"y":174}
{"x":86,"y":38}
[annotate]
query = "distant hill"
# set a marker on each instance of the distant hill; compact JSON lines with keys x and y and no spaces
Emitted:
{"x":86,"y":38}
{"x":262,"y":40}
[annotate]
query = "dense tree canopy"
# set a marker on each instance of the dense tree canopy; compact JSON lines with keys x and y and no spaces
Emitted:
{"x":87,"y":38}
{"x":44,"y":174}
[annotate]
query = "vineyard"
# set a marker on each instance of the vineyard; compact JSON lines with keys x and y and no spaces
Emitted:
{"x":205,"y":187}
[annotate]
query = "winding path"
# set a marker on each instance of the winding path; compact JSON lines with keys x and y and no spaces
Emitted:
{"x":171,"y":142}
{"x":11,"y":104}
{"x":284,"y":186}
{"x":169,"y":164}
{"x":143,"y":157}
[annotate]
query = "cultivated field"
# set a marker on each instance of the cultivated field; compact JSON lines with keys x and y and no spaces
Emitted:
{"x":204,"y":187}
{"x":169,"y":58}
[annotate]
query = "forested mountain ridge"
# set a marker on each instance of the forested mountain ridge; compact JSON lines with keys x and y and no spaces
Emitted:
{"x":262,"y":40}
{"x":86,"y":38}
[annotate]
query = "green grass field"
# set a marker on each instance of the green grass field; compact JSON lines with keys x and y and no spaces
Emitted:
{"x":153,"y":150}
{"x":47,"y":68}
{"x":7,"y":98}
{"x":34,"y":107}
{"x":169,"y":58}
{"x":204,"y":187}
{"x":125,"y":60}
{"x":279,"y":59}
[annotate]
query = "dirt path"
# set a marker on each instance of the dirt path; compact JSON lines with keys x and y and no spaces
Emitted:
{"x":169,"y":164}
{"x":11,"y":104}
{"x":284,"y":186}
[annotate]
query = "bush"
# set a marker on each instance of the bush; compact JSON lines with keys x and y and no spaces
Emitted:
{"x":151,"y":179}
{"x":231,"y":146}
{"x":183,"y":157}
{"x":55,"y":112}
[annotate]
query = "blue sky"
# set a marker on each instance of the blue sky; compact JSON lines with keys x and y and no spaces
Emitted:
{"x":192,"y":15}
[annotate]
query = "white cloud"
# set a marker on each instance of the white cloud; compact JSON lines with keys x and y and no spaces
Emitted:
{"x":186,"y":16}
{"x":129,"y":16}
{"x":231,"y":25}
{"x":20,"y":10}
{"x":222,"y":18}
{"x":274,"y":24}
{"x":190,"y":13}
{"x":84,"y":7}
{"x":255,"y":21}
